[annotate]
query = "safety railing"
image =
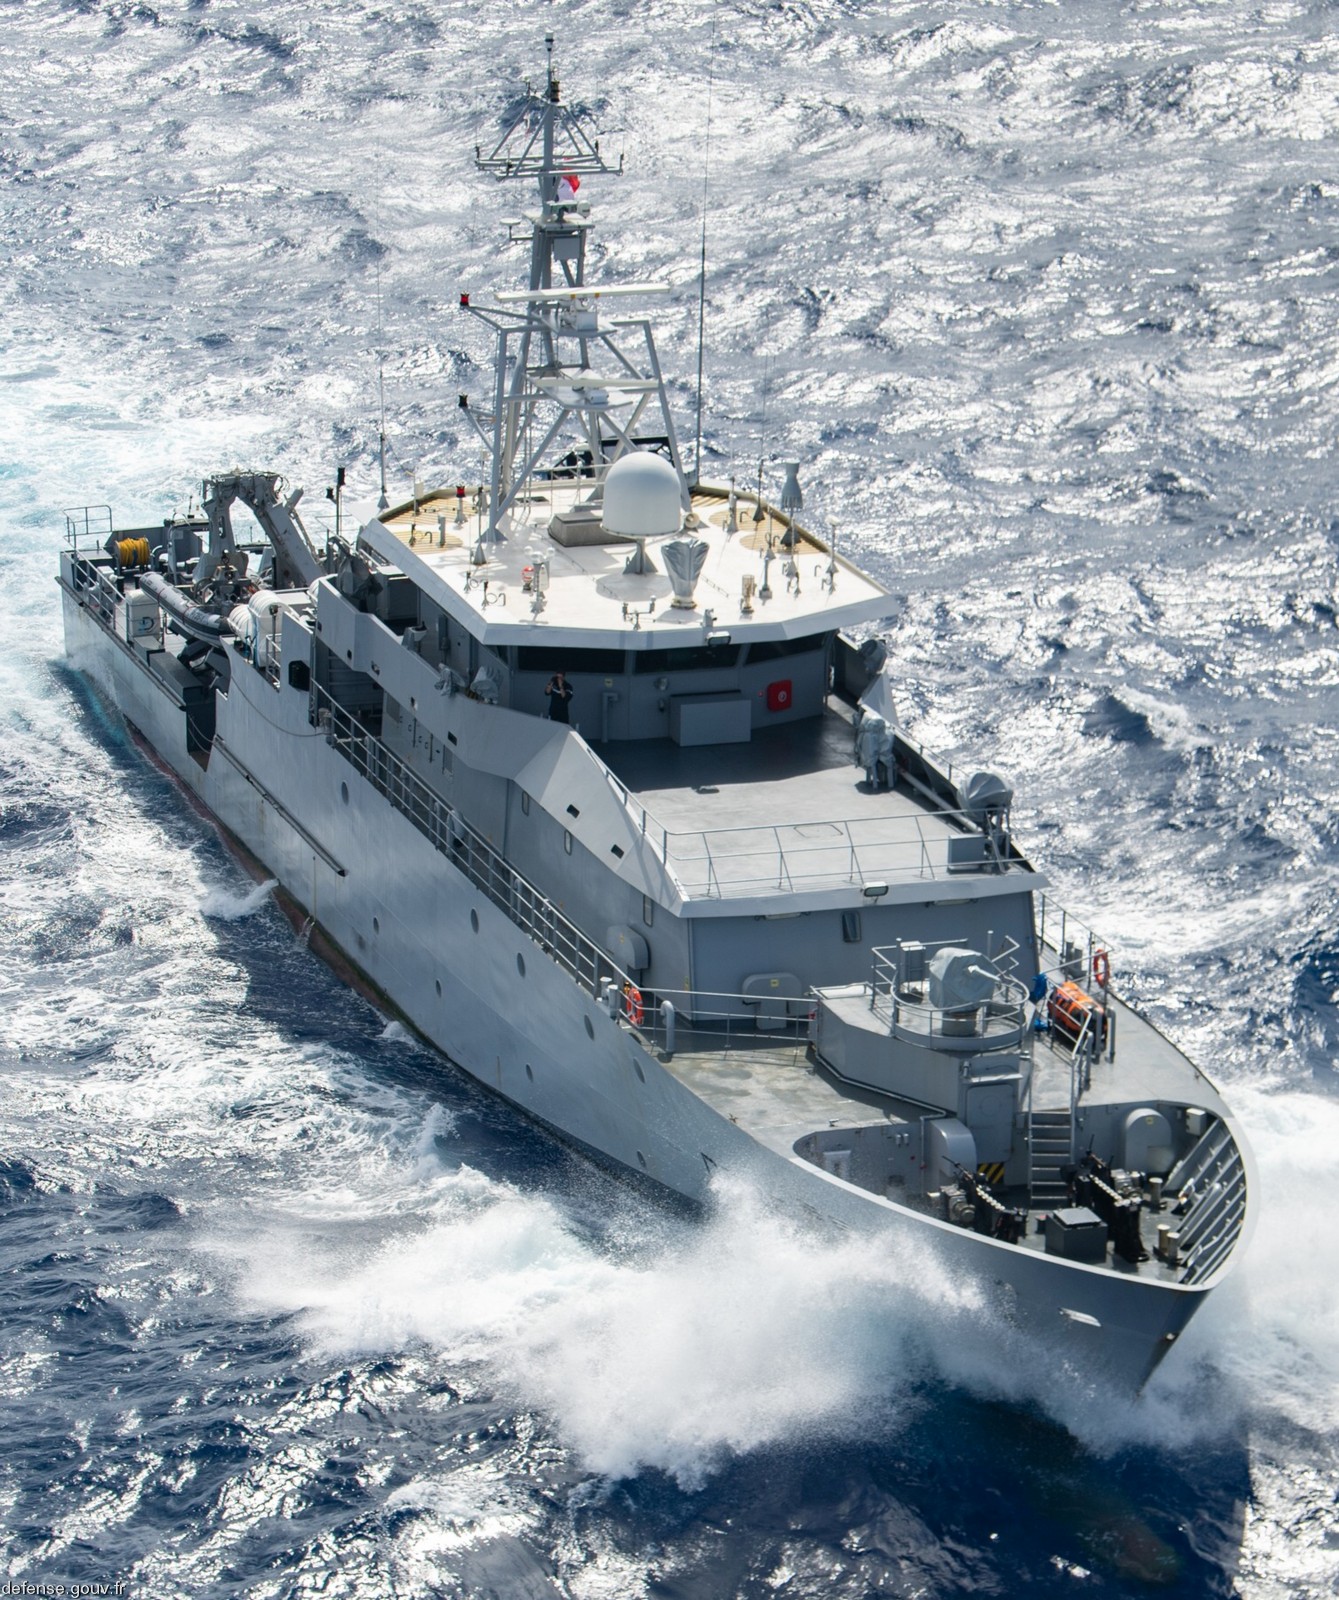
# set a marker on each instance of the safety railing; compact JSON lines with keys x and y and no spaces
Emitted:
{"x":768,"y":857}
{"x":719,"y":1024}
{"x":466,"y":849}
{"x":85,"y":525}
{"x":1212,"y":1182}
{"x":1077,"y":953}
{"x":97,"y":586}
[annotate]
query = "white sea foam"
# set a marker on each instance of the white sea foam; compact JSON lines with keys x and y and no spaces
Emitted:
{"x":724,"y":1336}
{"x":231,"y":905}
{"x":749,"y":1329}
{"x":1274,"y":1331}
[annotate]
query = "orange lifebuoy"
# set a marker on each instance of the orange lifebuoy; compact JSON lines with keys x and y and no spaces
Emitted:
{"x":1101,"y":969}
{"x":632,"y":1005}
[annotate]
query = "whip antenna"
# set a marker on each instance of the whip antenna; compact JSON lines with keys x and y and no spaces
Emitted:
{"x":702,"y":269}
{"x":384,"y":502}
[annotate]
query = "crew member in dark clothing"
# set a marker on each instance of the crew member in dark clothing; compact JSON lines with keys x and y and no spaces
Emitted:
{"x":559,"y":692}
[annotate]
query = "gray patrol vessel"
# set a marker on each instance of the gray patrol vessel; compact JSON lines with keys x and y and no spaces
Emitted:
{"x":583,"y":767}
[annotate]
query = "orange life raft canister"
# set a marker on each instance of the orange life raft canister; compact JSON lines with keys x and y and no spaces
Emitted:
{"x":1070,"y":1007}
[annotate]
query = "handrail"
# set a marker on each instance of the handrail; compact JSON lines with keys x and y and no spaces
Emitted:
{"x":466,"y":848}
{"x":94,"y":581}
{"x":1080,"y":1080}
{"x":764,"y":857}
{"x":87,"y":522}
{"x":717,"y":1014}
{"x":1074,"y":935}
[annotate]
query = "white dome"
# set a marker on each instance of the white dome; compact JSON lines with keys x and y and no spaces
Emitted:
{"x":641,"y":497}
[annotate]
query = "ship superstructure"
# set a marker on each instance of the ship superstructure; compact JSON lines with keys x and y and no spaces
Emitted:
{"x":589,"y":769}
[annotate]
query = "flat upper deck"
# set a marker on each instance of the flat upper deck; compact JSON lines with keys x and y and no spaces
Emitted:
{"x":813,"y":819}
{"x":590,"y":601}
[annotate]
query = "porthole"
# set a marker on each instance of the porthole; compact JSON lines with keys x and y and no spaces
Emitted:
{"x":520,"y":963}
{"x":439,"y":988}
{"x":642,"y":1159}
{"x":344,"y":793}
{"x":525,"y":804}
{"x":474,"y":921}
{"x":637,"y":1068}
{"x":376,"y":924}
{"x":590,"y":1027}
{"x":529,"y":1072}
{"x":567,"y":841}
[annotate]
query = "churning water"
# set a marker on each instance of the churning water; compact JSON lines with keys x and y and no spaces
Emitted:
{"x":1042,"y":298}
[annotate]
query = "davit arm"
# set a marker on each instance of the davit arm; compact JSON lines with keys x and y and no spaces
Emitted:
{"x":296,"y":564}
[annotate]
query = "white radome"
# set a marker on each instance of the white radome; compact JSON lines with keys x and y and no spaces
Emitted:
{"x":641,"y":497}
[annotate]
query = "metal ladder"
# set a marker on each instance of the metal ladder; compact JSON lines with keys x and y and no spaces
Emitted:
{"x":1050,"y":1147}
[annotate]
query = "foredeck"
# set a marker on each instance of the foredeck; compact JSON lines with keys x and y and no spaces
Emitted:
{"x":778,"y":1093}
{"x":774,"y":1090}
{"x":1147,"y":1066}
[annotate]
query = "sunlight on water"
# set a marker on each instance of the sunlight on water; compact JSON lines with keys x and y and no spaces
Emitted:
{"x":1043,"y":302}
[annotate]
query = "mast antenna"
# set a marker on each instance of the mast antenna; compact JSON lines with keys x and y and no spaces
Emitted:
{"x":702,"y":268}
{"x":384,"y":503}
{"x":758,"y":515}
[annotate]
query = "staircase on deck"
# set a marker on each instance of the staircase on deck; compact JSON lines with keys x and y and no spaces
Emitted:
{"x":1051,"y":1143}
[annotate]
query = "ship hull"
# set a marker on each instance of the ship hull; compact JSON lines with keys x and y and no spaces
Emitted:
{"x":472,"y":982}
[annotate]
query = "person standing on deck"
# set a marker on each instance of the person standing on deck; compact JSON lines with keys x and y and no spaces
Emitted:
{"x":559,"y":692}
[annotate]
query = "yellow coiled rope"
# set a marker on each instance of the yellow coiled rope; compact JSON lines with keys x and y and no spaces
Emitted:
{"x":132,"y":553}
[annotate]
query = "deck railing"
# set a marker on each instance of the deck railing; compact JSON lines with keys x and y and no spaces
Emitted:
{"x":85,"y":525}
{"x":1076,"y":949}
{"x":675,"y":1021}
{"x":768,"y":858}
{"x":467,"y":849}
{"x":98,"y":587}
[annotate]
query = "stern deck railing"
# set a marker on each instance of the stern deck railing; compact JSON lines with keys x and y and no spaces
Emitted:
{"x":97,"y":585}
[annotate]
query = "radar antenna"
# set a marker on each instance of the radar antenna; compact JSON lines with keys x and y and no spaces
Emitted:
{"x":550,"y":335}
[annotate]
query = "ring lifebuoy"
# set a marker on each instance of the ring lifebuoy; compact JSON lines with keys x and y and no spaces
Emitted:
{"x":633,"y":1009}
{"x":1101,"y":969}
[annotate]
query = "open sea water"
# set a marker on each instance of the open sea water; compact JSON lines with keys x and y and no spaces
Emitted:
{"x":1043,"y":298}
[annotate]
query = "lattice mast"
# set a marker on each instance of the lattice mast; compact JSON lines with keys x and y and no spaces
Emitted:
{"x":545,"y":383}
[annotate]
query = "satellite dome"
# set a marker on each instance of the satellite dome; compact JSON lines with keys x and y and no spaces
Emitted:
{"x":641,"y":497}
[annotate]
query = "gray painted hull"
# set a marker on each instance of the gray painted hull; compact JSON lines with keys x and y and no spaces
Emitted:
{"x":472,"y":982}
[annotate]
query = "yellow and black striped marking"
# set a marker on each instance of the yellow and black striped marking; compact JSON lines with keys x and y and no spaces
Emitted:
{"x":991,"y":1171}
